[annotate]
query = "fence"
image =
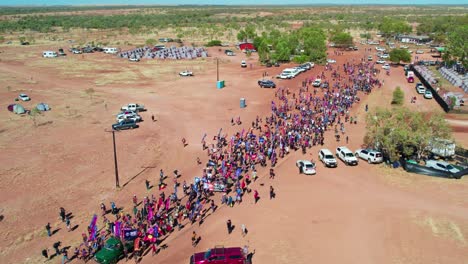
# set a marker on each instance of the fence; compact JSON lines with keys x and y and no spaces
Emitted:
{"x":436,"y":96}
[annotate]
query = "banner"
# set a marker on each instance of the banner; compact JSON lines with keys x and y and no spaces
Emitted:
{"x":93,"y":227}
{"x":130,"y":234}
{"x":117,"y":227}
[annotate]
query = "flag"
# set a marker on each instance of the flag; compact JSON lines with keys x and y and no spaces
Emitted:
{"x":93,"y":227}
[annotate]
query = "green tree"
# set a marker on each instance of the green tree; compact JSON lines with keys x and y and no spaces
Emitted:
{"x":151,"y":42}
{"x":342,"y":39}
{"x":458,"y":44}
{"x":398,"y":96}
{"x":393,"y":26}
{"x":397,"y":55}
{"x":213,"y":43}
{"x":402,"y":131}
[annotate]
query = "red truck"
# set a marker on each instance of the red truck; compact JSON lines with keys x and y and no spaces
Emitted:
{"x":220,"y":255}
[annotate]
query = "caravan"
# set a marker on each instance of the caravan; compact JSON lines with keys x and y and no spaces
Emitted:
{"x":49,"y":54}
{"x":110,"y":50}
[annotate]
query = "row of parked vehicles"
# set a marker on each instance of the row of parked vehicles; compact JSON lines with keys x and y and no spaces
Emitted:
{"x":422,"y":90}
{"x":128,"y":117}
{"x":87,"y":49}
{"x":290,"y":73}
{"x":344,"y":154}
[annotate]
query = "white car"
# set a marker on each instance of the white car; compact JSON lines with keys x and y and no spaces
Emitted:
{"x":384,"y":56}
{"x":428,"y":94}
{"x":300,"y":69}
{"x":441,"y":165}
{"x":403,"y":47}
{"x":24,"y":97}
{"x":186,"y":73}
{"x":386,"y":66}
{"x":331,"y":61}
{"x":420,"y":52}
{"x":134,"y":59}
{"x":421,"y":89}
{"x":327,"y":158}
{"x":346,"y":156}
{"x":132,"y":116}
{"x":380,"y":62}
{"x":380,"y":49}
{"x":244,"y":64}
{"x":306,"y":167}
{"x":317,"y":83}
{"x":410,"y":51}
{"x":372,"y":156}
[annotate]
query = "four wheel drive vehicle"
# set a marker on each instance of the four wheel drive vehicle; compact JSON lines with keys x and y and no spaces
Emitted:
{"x":109,"y":50}
{"x":75,"y":51}
{"x":369,"y":58}
{"x":61,"y":52}
{"x":372,"y":156}
{"x":277,"y":64}
{"x":266,"y":84}
{"x":331,"y":61}
{"x":289,"y":73}
{"x":384,"y":56}
{"x":244,"y":64}
{"x":166,"y":40}
{"x":219,"y":255}
{"x":229,"y":53}
{"x":380,"y":61}
{"x":428,"y":94}
{"x":134,"y":59}
{"x":133,"y":107}
{"x":306,"y":167}
{"x":131,"y":116}
{"x":24,"y":97}
{"x":380,"y":49}
{"x":420,"y":52}
{"x":88,"y":50}
{"x":317,"y":83}
{"x":325,"y":85}
{"x":421,"y":89}
{"x":49,"y":54}
{"x":186,"y":73}
{"x":346,"y":156}
{"x":355,"y":48}
{"x":300,"y":69}
{"x":113,"y":251}
{"x":441,"y":165}
{"x":327,"y":158}
{"x":125,"y":124}
{"x":386,"y":66}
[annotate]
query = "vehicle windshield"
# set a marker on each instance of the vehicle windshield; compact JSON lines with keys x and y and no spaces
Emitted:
{"x":111,"y":246}
{"x":309,"y":166}
{"x":329,"y":156}
{"x":450,"y":167}
{"x":349,"y":154}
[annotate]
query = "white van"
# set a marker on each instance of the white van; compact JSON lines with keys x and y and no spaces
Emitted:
{"x":289,"y":73}
{"x":49,"y":54}
{"x":110,"y":50}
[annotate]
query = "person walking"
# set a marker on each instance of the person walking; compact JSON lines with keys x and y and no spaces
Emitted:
{"x":67,"y":222}
{"x":103,"y":209}
{"x":56,"y":246}
{"x":229,"y":226}
{"x":147,"y":183}
{"x":244,"y":230}
{"x":272,"y":192}
{"x":62,"y":214}
{"x":48,"y":228}
{"x":194,"y":239}
{"x":256,"y":196}
{"x":152,"y":118}
{"x":65,"y":258}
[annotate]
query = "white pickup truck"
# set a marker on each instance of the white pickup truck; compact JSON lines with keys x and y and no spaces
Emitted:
{"x":346,"y":155}
{"x":133,"y":107}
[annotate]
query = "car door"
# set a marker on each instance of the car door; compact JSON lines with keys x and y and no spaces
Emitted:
{"x":364,"y":154}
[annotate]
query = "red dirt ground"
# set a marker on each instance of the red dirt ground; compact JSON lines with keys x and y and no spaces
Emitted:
{"x":364,"y":214}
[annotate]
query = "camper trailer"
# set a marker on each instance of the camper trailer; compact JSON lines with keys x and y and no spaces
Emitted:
{"x":110,"y":50}
{"x":49,"y":54}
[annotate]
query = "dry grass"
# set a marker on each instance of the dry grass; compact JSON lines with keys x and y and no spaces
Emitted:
{"x":122,"y":77}
{"x":444,"y":228}
{"x":67,"y":66}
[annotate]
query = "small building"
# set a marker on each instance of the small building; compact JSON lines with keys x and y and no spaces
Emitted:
{"x":246,"y":46}
{"x":413,"y":39}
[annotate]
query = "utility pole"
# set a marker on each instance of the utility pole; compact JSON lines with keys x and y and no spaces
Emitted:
{"x":117,"y":184}
{"x":217,"y":69}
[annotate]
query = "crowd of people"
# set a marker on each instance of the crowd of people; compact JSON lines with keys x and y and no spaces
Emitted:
{"x":173,"y":53}
{"x":298,"y":121}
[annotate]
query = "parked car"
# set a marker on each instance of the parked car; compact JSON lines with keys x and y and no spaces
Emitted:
{"x":428,"y":94}
{"x":133,"y":107}
{"x":380,"y":49}
{"x":384,"y":56}
{"x":345,"y":155}
{"x":403,"y":46}
{"x":268,"y":65}
{"x":229,"y":53}
{"x":380,"y":61}
{"x":441,"y":165}
{"x":244,"y":64}
{"x":386,"y":66}
{"x":331,"y":61}
{"x":372,"y":156}
{"x":131,"y":116}
{"x":113,"y":251}
{"x":75,"y":51}
{"x":306,"y":167}
{"x":369,"y":58}
{"x":327,"y":158}
{"x":266,"y":84}
{"x":134,"y":59}
{"x":325,"y":85}
{"x":420,"y":52}
{"x":219,"y":255}
{"x":421,"y":89}
{"x":61,"y":52}
{"x":317,"y":83}
{"x":125,"y":124}
{"x":24,"y":97}
{"x":276,"y":64}
{"x":185,"y":73}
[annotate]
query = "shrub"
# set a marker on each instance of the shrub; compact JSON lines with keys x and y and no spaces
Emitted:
{"x":301,"y":58}
{"x":151,"y":42}
{"x":213,"y":43}
{"x":398,"y":96}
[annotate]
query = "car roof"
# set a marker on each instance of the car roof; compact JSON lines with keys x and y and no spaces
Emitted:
{"x":326,"y":151}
